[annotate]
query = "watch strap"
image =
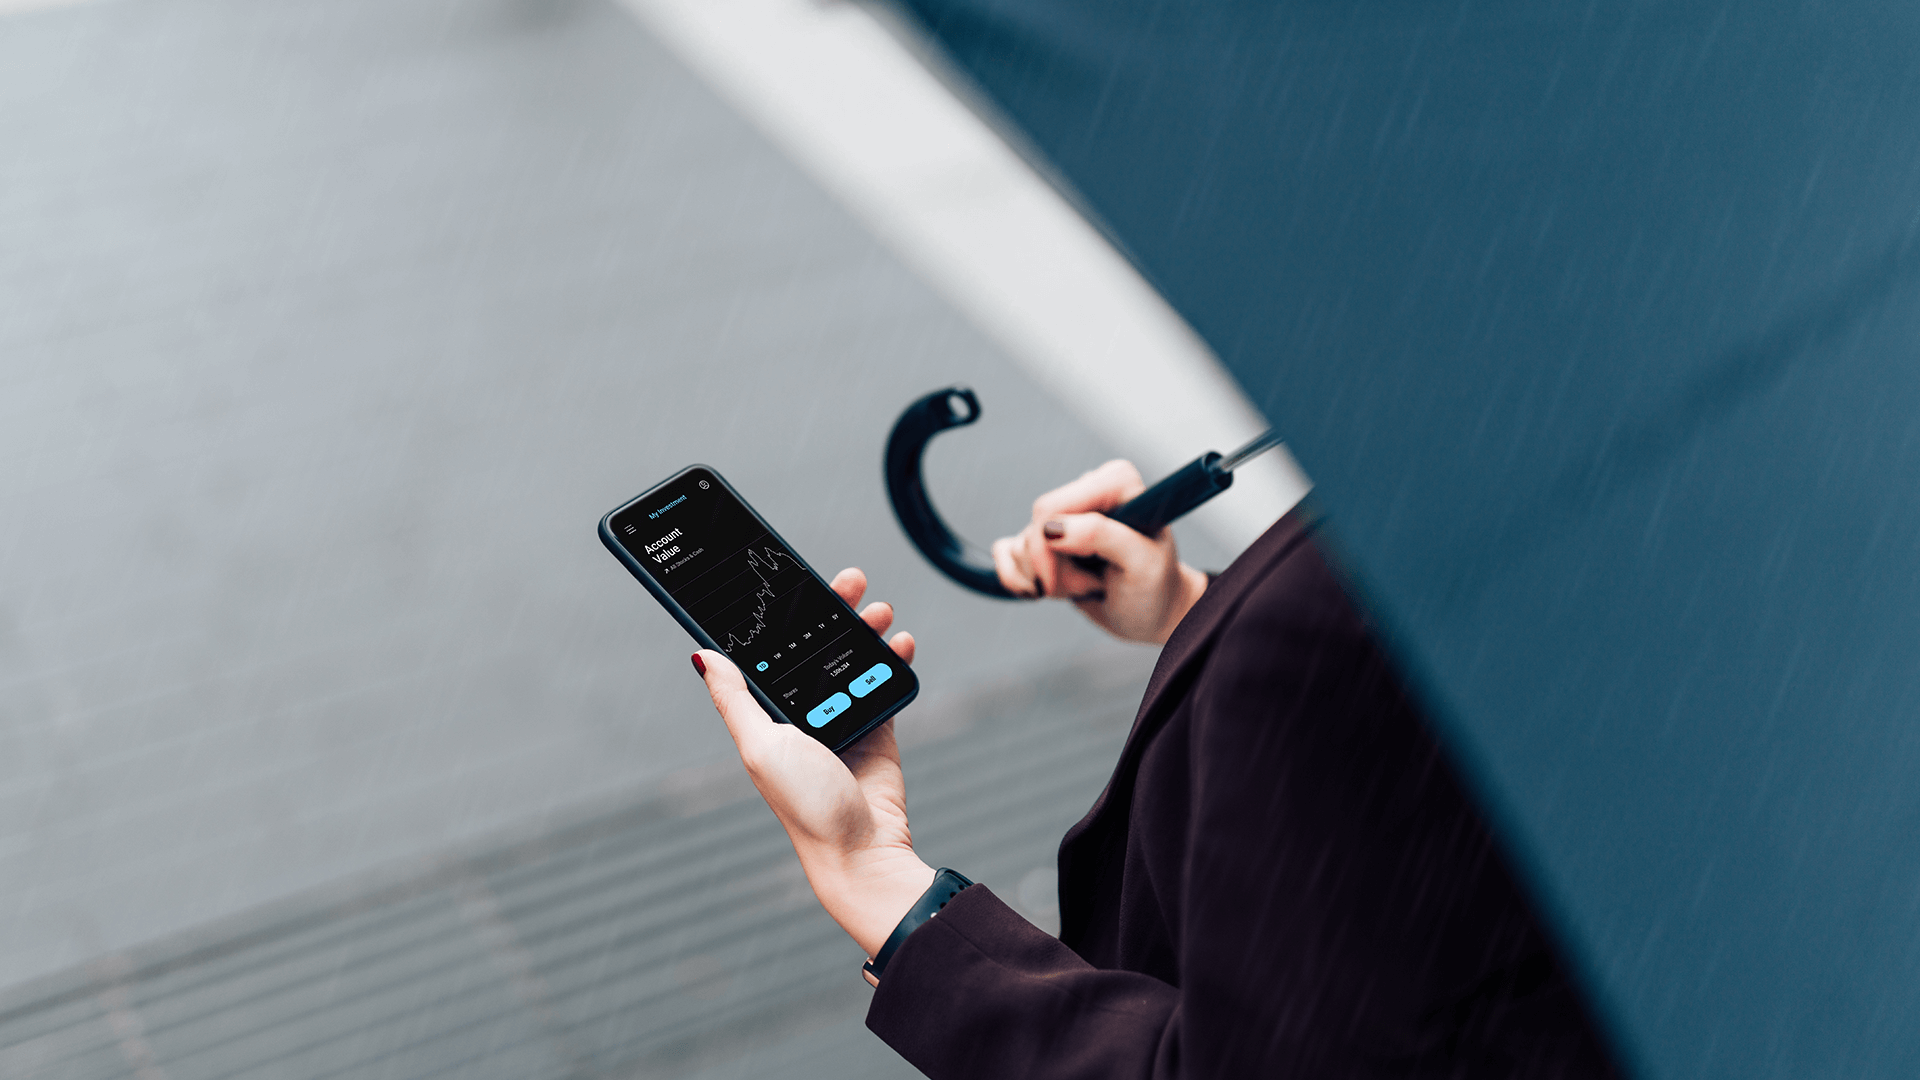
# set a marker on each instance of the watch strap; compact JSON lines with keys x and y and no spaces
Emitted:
{"x":946,"y":885}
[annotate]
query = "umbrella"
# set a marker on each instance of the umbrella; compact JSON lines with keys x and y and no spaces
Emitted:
{"x":1595,"y":325}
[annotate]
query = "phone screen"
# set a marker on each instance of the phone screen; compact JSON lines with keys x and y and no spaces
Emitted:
{"x":759,"y":603}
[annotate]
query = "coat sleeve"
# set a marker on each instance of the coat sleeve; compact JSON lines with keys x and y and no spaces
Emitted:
{"x":981,"y":992}
{"x":1336,"y":903}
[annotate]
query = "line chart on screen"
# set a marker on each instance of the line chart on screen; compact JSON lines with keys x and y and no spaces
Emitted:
{"x":745,"y":591}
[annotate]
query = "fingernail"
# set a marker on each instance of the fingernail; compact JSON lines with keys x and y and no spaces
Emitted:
{"x":1054,"y":530}
{"x":699,"y":665}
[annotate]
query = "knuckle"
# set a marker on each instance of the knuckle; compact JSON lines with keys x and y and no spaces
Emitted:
{"x":1124,"y":475}
{"x":1022,"y":557}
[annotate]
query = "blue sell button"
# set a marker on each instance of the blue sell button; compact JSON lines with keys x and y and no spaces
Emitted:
{"x":829,"y":709}
{"x":875,"y":675}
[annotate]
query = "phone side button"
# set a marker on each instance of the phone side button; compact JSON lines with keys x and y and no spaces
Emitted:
{"x":829,"y":709}
{"x":873,"y":677}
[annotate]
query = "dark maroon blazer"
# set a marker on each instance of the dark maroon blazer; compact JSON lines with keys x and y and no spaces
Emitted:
{"x":1283,"y":878}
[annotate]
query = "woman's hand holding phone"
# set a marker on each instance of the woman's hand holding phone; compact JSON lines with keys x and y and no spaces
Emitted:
{"x":846,"y":813}
{"x":1145,"y":591}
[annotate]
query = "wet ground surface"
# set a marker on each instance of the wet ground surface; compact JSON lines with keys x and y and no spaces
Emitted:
{"x":672,"y":937}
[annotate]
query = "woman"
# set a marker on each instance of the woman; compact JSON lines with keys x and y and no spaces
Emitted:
{"x":1283,"y":877}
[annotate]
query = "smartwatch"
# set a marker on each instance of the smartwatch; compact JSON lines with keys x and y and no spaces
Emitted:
{"x":946,"y":885}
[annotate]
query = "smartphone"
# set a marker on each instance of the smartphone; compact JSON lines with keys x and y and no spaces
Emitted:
{"x":723,"y":573}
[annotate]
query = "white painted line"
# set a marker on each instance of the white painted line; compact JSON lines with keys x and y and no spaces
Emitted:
{"x":855,"y":108}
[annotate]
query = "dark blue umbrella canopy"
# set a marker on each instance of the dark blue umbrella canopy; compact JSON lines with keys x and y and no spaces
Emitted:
{"x":1597,"y":326}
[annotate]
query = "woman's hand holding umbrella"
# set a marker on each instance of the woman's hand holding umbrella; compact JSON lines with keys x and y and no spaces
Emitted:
{"x":1144,"y":591}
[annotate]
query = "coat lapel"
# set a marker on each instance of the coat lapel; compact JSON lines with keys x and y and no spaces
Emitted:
{"x":1180,"y":660}
{"x":1195,"y":633}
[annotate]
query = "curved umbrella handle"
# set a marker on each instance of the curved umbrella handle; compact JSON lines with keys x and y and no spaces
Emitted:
{"x":967,"y":565}
{"x":956,"y":406}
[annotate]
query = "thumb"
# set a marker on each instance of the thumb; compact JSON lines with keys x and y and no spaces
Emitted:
{"x":746,"y":721}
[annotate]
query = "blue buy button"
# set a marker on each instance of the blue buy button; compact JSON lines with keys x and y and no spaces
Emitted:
{"x":829,"y":709}
{"x":875,"y":675}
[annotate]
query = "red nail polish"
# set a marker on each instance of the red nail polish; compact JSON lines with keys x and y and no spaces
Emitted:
{"x":699,"y":665}
{"x":1054,"y":530}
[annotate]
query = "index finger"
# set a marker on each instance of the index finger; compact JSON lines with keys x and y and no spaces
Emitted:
{"x":1102,"y":489}
{"x":746,"y":721}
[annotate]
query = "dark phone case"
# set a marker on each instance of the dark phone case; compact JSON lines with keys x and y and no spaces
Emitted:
{"x":706,"y":641}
